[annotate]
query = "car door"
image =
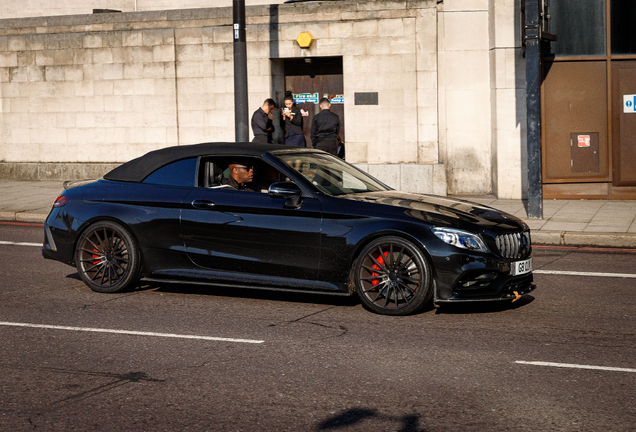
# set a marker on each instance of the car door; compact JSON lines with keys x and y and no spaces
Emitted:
{"x":152,"y":211}
{"x":245,"y":233}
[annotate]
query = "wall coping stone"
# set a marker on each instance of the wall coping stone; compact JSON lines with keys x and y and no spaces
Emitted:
{"x":287,"y":13}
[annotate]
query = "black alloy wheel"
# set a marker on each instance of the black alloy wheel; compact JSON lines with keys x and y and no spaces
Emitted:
{"x":392,"y":277}
{"x":107,"y":258}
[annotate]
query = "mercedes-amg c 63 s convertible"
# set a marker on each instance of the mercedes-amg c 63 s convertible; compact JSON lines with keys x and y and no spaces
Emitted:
{"x":290,"y":219}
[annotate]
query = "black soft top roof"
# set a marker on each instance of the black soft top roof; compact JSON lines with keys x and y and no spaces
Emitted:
{"x":138,"y":169}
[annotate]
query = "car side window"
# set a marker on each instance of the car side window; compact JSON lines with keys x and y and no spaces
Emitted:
{"x":179,"y":173}
{"x":215,"y":173}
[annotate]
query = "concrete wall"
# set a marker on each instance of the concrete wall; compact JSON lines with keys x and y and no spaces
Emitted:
{"x":106,"y":88}
{"x":482,"y":121}
{"x":508,"y":96}
{"x":38,"y":8}
{"x":465,"y":90}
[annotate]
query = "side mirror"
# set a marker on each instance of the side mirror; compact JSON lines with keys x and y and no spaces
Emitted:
{"x":288,"y":190}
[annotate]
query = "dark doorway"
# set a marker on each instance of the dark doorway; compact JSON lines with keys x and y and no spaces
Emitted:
{"x":310,"y":79}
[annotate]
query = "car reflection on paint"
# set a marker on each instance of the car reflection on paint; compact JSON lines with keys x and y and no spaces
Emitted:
{"x":313,"y":223}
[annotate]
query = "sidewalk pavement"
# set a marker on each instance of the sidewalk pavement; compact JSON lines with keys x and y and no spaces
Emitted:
{"x":565,"y":222}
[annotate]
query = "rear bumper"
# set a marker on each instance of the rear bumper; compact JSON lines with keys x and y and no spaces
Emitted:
{"x":58,"y":243}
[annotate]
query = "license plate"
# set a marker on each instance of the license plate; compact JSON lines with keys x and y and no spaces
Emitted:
{"x":521,"y":267}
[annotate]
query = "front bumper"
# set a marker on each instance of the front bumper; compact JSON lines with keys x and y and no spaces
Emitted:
{"x":511,"y":291}
{"x":472,"y":277}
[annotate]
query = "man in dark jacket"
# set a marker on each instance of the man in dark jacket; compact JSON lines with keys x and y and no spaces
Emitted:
{"x":240,"y":176}
{"x":325,"y":129}
{"x":262,"y":125}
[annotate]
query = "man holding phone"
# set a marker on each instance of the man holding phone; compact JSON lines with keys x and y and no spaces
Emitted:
{"x":262,"y":124}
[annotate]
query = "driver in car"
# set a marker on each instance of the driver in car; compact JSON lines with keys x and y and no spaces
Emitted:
{"x":240,"y":176}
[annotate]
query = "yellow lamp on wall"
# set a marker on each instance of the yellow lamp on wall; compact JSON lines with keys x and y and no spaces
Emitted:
{"x":305,"y":39}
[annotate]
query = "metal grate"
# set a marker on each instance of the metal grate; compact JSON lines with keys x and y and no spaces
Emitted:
{"x":515,"y":245}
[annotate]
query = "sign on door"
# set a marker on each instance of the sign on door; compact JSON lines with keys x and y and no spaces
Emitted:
{"x":629,"y":103}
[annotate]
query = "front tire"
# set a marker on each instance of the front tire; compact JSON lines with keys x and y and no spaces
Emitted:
{"x":107,"y":258}
{"x":392,"y":277}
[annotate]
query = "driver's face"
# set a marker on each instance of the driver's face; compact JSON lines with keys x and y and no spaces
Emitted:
{"x":243,"y":174}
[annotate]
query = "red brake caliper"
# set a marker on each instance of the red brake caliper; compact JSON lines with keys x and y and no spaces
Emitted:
{"x":380,"y":259}
{"x":96,"y":256}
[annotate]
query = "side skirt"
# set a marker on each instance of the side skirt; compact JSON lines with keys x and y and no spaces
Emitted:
{"x":256,"y":287}
{"x":246,"y":280}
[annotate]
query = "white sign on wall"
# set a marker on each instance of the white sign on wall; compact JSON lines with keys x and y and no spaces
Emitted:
{"x":629,"y":103}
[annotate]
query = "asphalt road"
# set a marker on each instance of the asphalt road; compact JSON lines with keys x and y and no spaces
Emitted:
{"x":313,"y":363}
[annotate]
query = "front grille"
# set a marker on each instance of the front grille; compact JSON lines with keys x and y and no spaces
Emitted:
{"x":514,"y":245}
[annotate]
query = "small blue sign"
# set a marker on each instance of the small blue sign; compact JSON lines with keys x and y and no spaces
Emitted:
{"x":629,"y":103}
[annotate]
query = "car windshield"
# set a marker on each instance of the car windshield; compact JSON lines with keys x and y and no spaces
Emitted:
{"x":332,"y":175}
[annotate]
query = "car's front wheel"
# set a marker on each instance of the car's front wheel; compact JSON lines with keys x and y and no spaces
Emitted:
{"x":107,"y":258}
{"x":392,"y":277}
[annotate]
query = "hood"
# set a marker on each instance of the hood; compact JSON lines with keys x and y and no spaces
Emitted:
{"x":443,"y":211}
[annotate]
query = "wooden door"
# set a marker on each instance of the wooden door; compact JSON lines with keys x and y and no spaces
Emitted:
{"x":624,"y":122}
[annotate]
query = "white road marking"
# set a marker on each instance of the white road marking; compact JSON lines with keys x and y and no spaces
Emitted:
{"x":575,"y":273}
{"x":20,"y":243}
{"x":130,"y":332}
{"x":576,"y":366}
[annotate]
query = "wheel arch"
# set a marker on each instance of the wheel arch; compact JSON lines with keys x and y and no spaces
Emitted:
{"x":102,"y":218}
{"x":389,"y":233}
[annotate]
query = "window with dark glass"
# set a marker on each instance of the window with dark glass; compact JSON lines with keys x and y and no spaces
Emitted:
{"x":580,"y":26}
{"x":180,"y":173}
{"x":623,"y":16}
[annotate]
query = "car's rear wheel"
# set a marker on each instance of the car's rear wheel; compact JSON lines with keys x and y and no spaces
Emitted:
{"x":392,"y":277}
{"x":107,"y":258}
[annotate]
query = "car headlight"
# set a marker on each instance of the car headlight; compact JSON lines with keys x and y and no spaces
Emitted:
{"x":461,"y":239}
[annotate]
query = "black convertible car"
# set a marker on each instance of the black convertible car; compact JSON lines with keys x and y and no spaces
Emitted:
{"x":291,"y":219}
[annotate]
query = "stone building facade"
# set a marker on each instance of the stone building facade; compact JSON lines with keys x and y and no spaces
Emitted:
{"x":81,"y":93}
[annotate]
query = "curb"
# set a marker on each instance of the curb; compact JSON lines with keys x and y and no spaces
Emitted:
{"x":574,"y":238}
{"x":21,"y":216}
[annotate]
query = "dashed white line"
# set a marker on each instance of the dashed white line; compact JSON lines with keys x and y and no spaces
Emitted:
{"x":576,"y":366}
{"x":575,"y":273}
{"x":2,"y":242}
{"x":130,"y":332}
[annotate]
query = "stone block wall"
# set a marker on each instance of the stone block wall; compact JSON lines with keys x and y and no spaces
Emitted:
{"x":482,"y":120}
{"x":87,"y":96}
{"x":391,"y":51}
{"x":510,"y":155}
{"x":465,"y":96}
{"x":109,"y":87}
{"x":38,"y":8}
{"x":104,"y":88}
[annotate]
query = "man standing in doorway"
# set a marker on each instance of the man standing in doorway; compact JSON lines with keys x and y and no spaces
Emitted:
{"x":325,"y":129}
{"x":262,"y":125}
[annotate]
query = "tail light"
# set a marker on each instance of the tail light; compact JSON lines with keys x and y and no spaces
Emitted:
{"x":60,"y":201}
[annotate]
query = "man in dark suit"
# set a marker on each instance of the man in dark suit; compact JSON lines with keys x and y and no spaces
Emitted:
{"x":262,"y":125}
{"x":325,"y":129}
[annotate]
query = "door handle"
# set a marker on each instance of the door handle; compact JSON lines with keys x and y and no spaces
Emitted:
{"x":202,"y":204}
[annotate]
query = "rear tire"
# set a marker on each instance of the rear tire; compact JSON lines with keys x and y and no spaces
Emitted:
{"x":392,"y":277}
{"x":107,"y":258}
